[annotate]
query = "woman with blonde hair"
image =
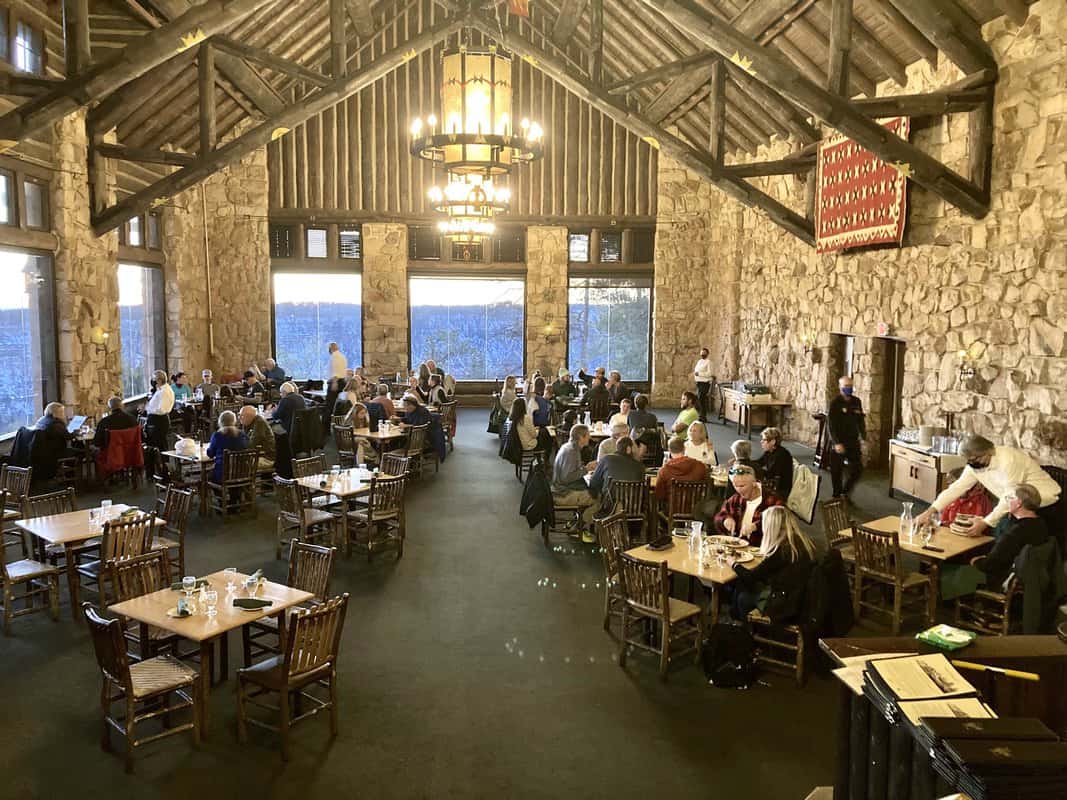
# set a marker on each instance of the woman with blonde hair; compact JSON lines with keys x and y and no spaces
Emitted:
{"x":776,"y":585}
{"x":697,"y":445}
{"x":359,"y":417}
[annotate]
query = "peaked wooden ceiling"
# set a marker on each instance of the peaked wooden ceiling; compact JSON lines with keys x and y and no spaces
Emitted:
{"x":640,"y":52}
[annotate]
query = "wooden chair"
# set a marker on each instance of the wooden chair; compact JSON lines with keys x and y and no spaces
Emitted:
{"x":174,"y":508}
{"x":682,"y":500}
{"x":415,"y":449}
{"x":631,"y":499}
{"x":600,"y":409}
{"x":314,"y":465}
{"x":647,"y":596}
{"x":137,"y":576}
{"x":394,"y":464}
{"x":297,"y":516}
{"x":878,"y":561}
{"x":236,"y":492}
{"x":338,"y":420}
{"x":448,"y":423}
{"x":777,"y":643}
{"x":987,"y":611}
{"x":346,"y":446}
{"x":15,"y":484}
{"x":309,"y":660}
{"x":47,"y":505}
{"x":121,"y":538}
{"x":836,"y":518}
{"x":310,"y":568}
{"x":614,"y":538}
{"x":140,"y":687}
{"x":37,"y":581}
{"x":380,"y":524}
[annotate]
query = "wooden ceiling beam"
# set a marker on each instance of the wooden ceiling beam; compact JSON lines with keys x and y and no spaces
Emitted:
{"x":898,"y":23}
{"x":267,"y":59}
{"x":570,"y":14}
{"x":952,"y":29}
{"x":840,"y":47}
{"x":100,"y":80}
{"x":773,"y":69}
{"x":783,"y":166}
{"x":699,"y":161}
{"x":1015,"y":10}
{"x":859,"y":82}
{"x":717,"y":115}
{"x":79,"y":53}
{"x":596,"y":41}
{"x":931,"y":104}
{"x":864,"y":42}
{"x":359,"y":11}
{"x":273,"y":127}
{"x":145,"y":155}
{"x":657,"y":74}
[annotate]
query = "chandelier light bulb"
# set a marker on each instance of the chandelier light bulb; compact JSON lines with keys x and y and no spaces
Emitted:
{"x":416,"y":127}
{"x":431,"y":121}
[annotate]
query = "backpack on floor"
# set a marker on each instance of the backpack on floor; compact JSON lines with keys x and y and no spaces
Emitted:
{"x":729,"y":657}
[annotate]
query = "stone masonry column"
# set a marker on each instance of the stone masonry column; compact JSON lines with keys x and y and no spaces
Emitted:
{"x":86,"y":271}
{"x":546,"y":299}
{"x":385,"y":298}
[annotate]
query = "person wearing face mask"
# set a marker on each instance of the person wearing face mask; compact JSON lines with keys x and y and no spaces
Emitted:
{"x":1000,"y":470}
{"x":848,"y":427}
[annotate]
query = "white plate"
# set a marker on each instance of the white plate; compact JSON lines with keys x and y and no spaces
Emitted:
{"x":743,"y":557}
{"x":728,"y":541}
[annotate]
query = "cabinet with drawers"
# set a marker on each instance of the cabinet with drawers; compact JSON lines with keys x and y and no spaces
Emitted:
{"x":918,"y":472}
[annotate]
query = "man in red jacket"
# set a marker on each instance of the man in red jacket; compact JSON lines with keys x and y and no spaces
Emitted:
{"x":680,"y":467}
{"x":741,"y":514}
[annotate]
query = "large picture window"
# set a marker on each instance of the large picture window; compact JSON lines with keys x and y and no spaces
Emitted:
{"x":312,"y":309}
{"x":472,"y":328}
{"x":27,"y":338}
{"x":141,"y":326}
{"x":609,"y":325}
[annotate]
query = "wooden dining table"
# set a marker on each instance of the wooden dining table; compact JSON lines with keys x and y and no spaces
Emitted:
{"x":951,"y":545}
{"x":70,"y":530}
{"x":204,"y":462}
{"x":680,"y":562}
{"x":151,"y":610}
{"x":357,"y":485}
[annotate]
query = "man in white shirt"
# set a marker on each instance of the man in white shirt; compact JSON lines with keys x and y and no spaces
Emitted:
{"x":702,"y":373}
{"x":999,"y":470}
{"x":160,"y":404}
{"x":338,"y":362}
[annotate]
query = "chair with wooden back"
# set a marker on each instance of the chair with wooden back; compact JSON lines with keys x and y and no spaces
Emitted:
{"x":121,"y":538}
{"x":236,"y":492}
{"x":394,"y":464}
{"x":989,"y":611}
{"x":682,"y":500}
{"x":646,"y":596}
{"x":879,"y":563}
{"x":380,"y":524}
{"x":309,"y":660}
{"x":306,"y":468}
{"x":49,"y":505}
{"x":174,"y":509}
{"x":310,"y":568}
{"x":346,"y":445}
{"x":415,"y":448}
{"x":448,"y":423}
{"x":137,"y":576}
{"x":613,"y":536}
{"x":139,"y":687}
{"x":15,"y":484}
{"x":37,"y":580}
{"x":631,"y":499}
{"x":836,"y":518}
{"x":298,"y":520}
{"x":600,"y":409}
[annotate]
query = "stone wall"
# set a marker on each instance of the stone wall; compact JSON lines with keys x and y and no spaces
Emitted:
{"x":385,"y":298}
{"x":695,"y":290}
{"x":996,"y":286}
{"x":86,"y":274}
{"x":237,"y":321}
{"x":546,"y":299}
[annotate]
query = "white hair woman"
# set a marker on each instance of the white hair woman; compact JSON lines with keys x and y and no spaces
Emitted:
{"x":776,"y":585}
{"x":228,"y":437}
{"x":697,"y":445}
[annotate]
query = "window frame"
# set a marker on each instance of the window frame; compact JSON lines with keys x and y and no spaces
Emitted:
{"x":343,"y":229}
{"x":162,"y":325}
{"x":14,"y":203}
{"x":46,"y":206}
{"x":14,"y":20}
{"x":414,"y":273}
{"x":630,"y":275}
{"x":325,"y":240}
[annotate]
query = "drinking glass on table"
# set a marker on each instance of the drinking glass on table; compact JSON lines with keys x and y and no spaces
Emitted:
{"x":926,"y":533}
{"x":231,"y":579}
{"x":211,"y":600}
{"x":105,"y":509}
{"x":188,"y":584}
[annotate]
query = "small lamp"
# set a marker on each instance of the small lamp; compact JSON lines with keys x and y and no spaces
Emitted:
{"x":100,"y":338}
{"x":808,"y":341}
{"x":966,"y":362}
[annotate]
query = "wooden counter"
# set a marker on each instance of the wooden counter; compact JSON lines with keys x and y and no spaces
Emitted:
{"x":918,"y":472}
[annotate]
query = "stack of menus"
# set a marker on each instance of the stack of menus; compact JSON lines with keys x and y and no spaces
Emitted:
{"x":914,"y":687}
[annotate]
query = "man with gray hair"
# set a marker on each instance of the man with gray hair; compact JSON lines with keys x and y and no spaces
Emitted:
{"x":568,"y":477}
{"x":160,"y":404}
{"x":385,"y":401}
{"x":259,"y":434}
{"x":999,"y":470}
{"x":1024,"y":502}
{"x":609,"y":445}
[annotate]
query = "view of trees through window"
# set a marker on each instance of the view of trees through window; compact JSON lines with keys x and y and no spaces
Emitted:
{"x":141,"y":326}
{"x":472,"y":328}
{"x":27,"y":344}
{"x":609,"y":325}
{"x":310,"y":311}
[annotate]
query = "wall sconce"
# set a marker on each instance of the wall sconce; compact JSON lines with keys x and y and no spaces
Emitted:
{"x":966,"y":361}
{"x":808,"y":341}
{"x":100,"y":338}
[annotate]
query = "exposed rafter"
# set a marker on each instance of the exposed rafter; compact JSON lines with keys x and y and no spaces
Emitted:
{"x":362,"y":19}
{"x":699,"y":161}
{"x":274,"y":127}
{"x":774,"y":70}
{"x":266,"y":58}
{"x":953,"y":31}
{"x":656,"y":74}
{"x":570,"y":14}
{"x":100,"y":80}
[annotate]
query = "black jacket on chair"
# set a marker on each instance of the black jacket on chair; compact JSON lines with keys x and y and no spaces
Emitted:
{"x":536,"y":504}
{"x":510,"y":446}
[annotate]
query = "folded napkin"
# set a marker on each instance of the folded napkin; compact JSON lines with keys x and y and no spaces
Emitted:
{"x":177,"y":585}
{"x":251,"y":602}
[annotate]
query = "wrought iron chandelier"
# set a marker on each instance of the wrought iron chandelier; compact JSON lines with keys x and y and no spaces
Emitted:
{"x":475,"y":143}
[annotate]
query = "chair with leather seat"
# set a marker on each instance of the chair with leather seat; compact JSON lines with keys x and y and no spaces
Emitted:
{"x":308,"y":661}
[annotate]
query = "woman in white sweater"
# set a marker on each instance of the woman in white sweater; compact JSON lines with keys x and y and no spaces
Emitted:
{"x":697,"y":445}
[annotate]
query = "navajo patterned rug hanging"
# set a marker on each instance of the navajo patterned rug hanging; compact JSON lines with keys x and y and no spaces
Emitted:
{"x":861,"y":200}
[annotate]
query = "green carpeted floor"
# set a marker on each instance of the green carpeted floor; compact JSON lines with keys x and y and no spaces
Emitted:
{"x":474,"y":667}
